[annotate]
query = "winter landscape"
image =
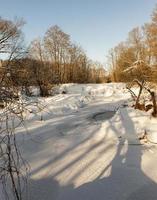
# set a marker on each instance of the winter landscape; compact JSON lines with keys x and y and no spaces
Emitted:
{"x":72,"y":128}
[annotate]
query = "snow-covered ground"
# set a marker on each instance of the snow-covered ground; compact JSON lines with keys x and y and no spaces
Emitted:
{"x":83,"y":145}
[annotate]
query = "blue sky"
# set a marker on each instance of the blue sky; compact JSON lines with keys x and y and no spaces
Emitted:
{"x":97,"y":25}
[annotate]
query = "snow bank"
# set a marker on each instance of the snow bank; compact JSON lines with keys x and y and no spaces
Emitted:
{"x":107,"y":89}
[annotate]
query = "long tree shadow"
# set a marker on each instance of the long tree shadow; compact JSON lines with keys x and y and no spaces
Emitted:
{"x":126,"y":181}
{"x":33,"y":148}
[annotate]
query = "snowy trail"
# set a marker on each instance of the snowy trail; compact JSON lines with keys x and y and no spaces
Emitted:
{"x":73,"y":156}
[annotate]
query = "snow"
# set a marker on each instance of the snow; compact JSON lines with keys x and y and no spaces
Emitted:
{"x":151,"y":129}
{"x":86,"y":146}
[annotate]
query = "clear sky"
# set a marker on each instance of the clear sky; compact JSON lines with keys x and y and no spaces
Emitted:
{"x":97,"y":25}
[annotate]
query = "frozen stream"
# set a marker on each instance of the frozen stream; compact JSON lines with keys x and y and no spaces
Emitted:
{"x":79,"y":156}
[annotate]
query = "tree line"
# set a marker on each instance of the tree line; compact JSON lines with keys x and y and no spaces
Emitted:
{"x":53,"y":59}
{"x":139,"y":51}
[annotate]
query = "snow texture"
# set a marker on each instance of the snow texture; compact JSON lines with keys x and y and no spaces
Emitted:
{"x":86,"y":146}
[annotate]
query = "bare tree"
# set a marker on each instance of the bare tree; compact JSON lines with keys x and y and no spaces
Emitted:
{"x":57,"y":44}
{"x":144,"y":72}
{"x":11,"y":161}
{"x":40,"y":68}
